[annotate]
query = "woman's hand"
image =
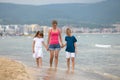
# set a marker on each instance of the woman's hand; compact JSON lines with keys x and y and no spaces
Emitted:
{"x":63,"y":45}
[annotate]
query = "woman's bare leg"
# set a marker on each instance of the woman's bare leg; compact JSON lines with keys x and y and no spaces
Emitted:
{"x":51,"y":57}
{"x":56,"y":58}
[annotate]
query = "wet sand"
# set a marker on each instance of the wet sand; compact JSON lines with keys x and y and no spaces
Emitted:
{"x":47,"y":73}
{"x":13,"y":70}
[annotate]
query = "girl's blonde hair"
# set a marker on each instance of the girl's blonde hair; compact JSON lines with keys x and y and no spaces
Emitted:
{"x":68,"y":31}
{"x":39,"y":33}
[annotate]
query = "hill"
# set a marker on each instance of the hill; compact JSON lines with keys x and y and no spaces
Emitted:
{"x":106,"y":12}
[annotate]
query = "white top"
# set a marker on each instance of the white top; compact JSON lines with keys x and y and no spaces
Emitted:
{"x":38,"y":42}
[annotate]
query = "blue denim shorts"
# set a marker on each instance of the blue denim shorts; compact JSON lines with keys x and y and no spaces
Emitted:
{"x":54,"y":47}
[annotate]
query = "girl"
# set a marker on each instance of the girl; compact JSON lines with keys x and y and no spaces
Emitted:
{"x":70,"y":49}
{"x":37,"y":48}
{"x":54,"y":40}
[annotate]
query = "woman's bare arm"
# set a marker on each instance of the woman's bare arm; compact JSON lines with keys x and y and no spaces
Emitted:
{"x":44,"y":45}
{"x":61,"y":39}
{"x":48,"y":37}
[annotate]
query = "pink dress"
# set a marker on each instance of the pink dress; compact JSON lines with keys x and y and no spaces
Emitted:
{"x":54,"y":37}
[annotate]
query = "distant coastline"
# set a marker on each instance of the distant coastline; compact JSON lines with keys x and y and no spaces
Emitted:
{"x":26,"y":30}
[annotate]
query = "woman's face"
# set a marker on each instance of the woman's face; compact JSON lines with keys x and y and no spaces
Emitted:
{"x":54,"y":25}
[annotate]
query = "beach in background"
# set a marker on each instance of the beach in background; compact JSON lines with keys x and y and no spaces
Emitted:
{"x":98,"y":57}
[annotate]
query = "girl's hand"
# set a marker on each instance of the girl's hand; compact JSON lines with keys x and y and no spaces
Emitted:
{"x":47,"y":48}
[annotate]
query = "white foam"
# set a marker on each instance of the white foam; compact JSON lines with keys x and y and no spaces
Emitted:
{"x":102,"y":46}
{"x":29,"y":37}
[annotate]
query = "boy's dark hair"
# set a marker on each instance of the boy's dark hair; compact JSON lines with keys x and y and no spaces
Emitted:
{"x":54,"y":22}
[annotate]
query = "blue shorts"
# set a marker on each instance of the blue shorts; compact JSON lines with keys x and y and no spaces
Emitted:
{"x":54,"y":47}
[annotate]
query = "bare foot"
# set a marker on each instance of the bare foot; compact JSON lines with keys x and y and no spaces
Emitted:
{"x":72,"y":71}
{"x":67,"y":71}
{"x":50,"y":69}
{"x":55,"y":69}
{"x":39,"y":66}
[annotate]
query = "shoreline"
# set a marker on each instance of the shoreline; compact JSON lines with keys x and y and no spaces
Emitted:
{"x":65,"y":33}
{"x":97,"y":33}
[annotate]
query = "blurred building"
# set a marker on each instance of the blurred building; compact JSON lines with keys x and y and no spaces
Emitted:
{"x":30,"y":29}
{"x":117,"y":27}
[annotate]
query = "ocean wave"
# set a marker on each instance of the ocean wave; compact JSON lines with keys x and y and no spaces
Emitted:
{"x":103,"y":46}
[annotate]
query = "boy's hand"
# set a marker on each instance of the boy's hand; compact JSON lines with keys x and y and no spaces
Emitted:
{"x":62,"y":46}
{"x":76,"y":51}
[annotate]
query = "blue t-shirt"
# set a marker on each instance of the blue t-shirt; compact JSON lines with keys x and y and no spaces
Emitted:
{"x":70,"y":43}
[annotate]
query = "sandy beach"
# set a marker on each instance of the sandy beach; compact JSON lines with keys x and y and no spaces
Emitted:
{"x":13,"y":70}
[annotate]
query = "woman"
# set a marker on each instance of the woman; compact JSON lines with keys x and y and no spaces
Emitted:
{"x":54,"y":41}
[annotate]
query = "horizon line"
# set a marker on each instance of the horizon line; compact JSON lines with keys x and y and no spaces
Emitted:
{"x":48,"y":3}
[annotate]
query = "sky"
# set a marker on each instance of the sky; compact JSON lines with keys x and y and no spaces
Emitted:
{"x":44,"y":2}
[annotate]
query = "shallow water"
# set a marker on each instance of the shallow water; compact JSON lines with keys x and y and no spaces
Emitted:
{"x":92,"y":62}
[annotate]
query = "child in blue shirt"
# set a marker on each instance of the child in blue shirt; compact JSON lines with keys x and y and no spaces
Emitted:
{"x":70,"y":49}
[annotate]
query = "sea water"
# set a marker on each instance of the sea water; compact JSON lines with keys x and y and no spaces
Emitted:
{"x":97,"y":58}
